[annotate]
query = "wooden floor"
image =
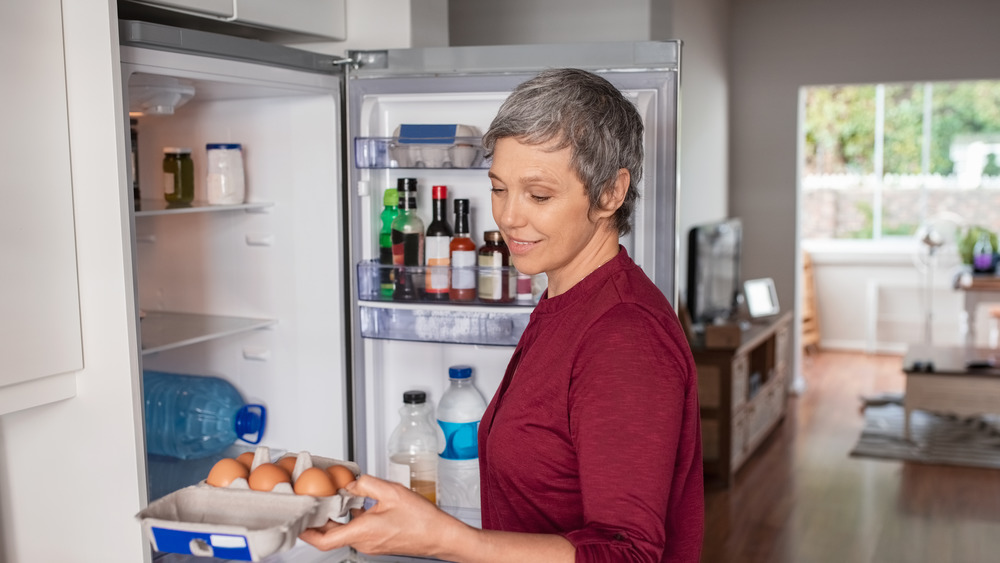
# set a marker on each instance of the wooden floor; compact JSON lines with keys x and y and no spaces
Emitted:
{"x":802,"y":499}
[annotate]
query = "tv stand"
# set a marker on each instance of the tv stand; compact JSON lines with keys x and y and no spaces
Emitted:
{"x":742,"y":390}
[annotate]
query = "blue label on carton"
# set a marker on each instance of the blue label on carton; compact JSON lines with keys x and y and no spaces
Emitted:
{"x":204,"y":544}
{"x":427,"y":134}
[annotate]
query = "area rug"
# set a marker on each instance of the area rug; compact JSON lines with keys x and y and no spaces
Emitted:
{"x":935,"y":438}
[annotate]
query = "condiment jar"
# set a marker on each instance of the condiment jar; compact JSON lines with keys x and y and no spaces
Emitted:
{"x":178,"y":175}
{"x":494,"y":263}
{"x":224,"y":181}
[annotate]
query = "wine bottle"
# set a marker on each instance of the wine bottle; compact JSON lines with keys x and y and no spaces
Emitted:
{"x":407,"y":242}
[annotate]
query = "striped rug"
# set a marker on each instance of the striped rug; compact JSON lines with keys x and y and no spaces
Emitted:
{"x":936,"y":439}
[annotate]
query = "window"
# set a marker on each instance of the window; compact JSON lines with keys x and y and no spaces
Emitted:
{"x":879,"y":159}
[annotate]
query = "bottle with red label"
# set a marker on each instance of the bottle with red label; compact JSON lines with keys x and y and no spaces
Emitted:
{"x":437,"y":248}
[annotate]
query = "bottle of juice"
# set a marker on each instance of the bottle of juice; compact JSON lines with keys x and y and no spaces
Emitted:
{"x":463,"y":256}
{"x":413,"y":446}
{"x":438,"y":241}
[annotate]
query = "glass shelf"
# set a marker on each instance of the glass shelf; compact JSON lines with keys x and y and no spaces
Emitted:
{"x":391,"y":152}
{"x":150,"y":207}
{"x":423,"y":319}
{"x":491,"y":326}
{"x":166,"y":331}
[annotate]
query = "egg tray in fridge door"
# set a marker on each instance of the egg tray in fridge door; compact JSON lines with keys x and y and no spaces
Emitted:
{"x":236,"y":522}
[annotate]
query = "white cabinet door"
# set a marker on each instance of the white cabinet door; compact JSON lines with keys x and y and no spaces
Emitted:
{"x":324,"y":18}
{"x":40,"y":334}
{"x":222,"y":8}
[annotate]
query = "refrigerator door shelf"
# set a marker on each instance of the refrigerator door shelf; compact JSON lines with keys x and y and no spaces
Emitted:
{"x":502,"y":280}
{"x":150,"y":207}
{"x":392,"y":152}
{"x":490,"y":326}
{"x":163,"y":330}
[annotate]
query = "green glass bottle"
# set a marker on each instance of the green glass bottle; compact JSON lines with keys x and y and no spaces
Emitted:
{"x":390,"y":201}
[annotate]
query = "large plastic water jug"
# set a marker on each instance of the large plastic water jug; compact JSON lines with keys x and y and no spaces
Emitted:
{"x":190,"y":416}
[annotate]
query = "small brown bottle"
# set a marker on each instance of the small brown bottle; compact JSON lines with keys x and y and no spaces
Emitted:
{"x":494,"y":264}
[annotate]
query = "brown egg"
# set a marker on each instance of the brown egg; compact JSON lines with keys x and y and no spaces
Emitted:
{"x":246,"y":458}
{"x":341,"y":475}
{"x":288,"y":462}
{"x":266,"y":476}
{"x":315,"y":482}
{"x":225,"y":471}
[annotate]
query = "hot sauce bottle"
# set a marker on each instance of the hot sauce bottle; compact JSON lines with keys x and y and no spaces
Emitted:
{"x":463,"y":256}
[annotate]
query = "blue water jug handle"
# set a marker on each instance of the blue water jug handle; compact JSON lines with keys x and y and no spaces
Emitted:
{"x":251,"y":419}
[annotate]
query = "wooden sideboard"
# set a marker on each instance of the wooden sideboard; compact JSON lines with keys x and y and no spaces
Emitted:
{"x":742,"y":391}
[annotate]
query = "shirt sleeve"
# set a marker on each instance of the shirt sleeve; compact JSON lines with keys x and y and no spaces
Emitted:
{"x":627,"y":398}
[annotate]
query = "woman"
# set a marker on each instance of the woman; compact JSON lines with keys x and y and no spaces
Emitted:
{"x":591,"y":449}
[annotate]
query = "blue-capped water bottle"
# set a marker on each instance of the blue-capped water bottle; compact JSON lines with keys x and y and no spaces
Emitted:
{"x":458,"y":413}
{"x":190,"y":416}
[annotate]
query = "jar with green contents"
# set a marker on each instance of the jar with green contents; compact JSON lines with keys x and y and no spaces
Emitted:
{"x":178,"y":175}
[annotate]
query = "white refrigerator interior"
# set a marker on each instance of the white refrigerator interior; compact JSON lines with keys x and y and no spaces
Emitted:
{"x":252,"y":293}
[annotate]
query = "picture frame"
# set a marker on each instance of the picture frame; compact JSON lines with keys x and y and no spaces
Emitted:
{"x":761,"y":297}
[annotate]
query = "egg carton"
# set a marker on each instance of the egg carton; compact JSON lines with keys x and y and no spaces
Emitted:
{"x":238,"y":523}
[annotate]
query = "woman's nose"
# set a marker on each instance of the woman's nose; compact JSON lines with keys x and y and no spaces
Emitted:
{"x":510,"y":213}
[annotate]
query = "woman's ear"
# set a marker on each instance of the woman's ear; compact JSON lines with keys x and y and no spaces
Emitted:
{"x":613,"y":197}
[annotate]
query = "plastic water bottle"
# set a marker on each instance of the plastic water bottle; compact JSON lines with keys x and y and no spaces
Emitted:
{"x":458,"y":413}
{"x":413,"y":446}
{"x":190,"y":416}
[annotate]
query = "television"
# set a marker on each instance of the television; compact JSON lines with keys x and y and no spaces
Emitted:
{"x":713,"y":271}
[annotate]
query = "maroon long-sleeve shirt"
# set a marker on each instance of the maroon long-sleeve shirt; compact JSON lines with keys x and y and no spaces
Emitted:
{"x":594,"y":433}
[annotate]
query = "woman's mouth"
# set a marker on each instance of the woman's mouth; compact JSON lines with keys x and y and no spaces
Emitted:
{"x":518,"y":247}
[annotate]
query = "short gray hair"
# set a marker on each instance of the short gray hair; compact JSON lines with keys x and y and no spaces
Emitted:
{"x":583,"y":111}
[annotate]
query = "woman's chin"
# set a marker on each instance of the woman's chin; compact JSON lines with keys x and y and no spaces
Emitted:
{"x":524,"y":265}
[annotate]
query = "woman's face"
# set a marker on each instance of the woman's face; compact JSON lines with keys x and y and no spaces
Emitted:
{"x":542,"y":210}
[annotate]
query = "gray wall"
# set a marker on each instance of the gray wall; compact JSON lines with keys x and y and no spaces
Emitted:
{"x":700,"y":24}
{"x":779,"y":45}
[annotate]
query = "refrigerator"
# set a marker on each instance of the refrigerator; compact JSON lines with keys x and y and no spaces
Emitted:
{"x":274,"y":294}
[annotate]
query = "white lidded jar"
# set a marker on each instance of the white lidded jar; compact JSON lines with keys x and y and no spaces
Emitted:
{"x":459,"y":411}
{"x":224,"y":182}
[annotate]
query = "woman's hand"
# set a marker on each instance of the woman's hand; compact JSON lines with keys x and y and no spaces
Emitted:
{"x":401,"y":523}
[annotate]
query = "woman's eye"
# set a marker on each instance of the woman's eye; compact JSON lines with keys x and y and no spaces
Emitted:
{"x":496,"y":190}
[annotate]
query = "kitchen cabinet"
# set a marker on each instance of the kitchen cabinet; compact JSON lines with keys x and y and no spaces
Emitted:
{"x":287,"y":21}
{"x":742,"y":391}
{"x":40,"y":334}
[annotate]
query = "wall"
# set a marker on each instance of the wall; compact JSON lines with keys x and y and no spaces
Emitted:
{"x":776,"y":46}
{"x":701,"y":25}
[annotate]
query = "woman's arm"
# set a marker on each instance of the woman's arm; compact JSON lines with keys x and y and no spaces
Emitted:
{"x":404,"y":523}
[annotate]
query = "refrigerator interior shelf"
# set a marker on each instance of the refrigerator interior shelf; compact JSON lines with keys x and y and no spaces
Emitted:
{"x":491,"y":326}
{"x":149,"y":207}
{"x":165,"y":331}
{"x":391,"y":152}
